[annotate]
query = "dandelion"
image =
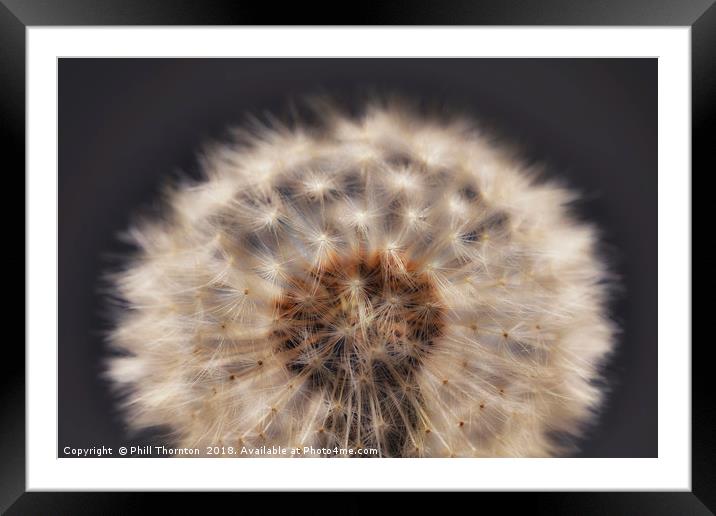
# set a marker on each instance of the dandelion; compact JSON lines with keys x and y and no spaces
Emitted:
{"x":387,"y":281}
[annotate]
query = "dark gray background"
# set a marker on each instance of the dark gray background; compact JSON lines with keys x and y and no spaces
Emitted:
{"x":126,"y":125}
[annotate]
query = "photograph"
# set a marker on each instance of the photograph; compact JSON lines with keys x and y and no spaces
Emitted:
{"x":357,"y":257}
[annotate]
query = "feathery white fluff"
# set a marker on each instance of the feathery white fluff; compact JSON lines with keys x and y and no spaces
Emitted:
{"x":387,"y":281}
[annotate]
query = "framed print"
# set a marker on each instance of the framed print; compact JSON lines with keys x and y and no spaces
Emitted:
{"x":458,"y":254}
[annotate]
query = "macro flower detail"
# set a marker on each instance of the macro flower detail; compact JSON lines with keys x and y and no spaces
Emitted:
{"x":386,"y":280}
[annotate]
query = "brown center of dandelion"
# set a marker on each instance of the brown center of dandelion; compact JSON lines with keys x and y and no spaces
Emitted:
{"x":359,"y":328}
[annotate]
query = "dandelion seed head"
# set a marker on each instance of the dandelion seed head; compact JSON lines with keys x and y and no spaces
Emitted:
{"x":389,"y":280}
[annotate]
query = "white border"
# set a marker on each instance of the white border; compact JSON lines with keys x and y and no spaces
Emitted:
{"x":670,"y":471}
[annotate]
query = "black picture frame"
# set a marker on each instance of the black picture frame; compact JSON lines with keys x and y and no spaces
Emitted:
{"x":17,"y":15}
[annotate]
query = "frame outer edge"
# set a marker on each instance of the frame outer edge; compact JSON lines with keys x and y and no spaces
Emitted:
{"x":703,"y":120}
{"x":12,"y":141}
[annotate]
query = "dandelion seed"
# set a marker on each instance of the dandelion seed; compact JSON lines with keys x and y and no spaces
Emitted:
{"x":391,"y":282}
